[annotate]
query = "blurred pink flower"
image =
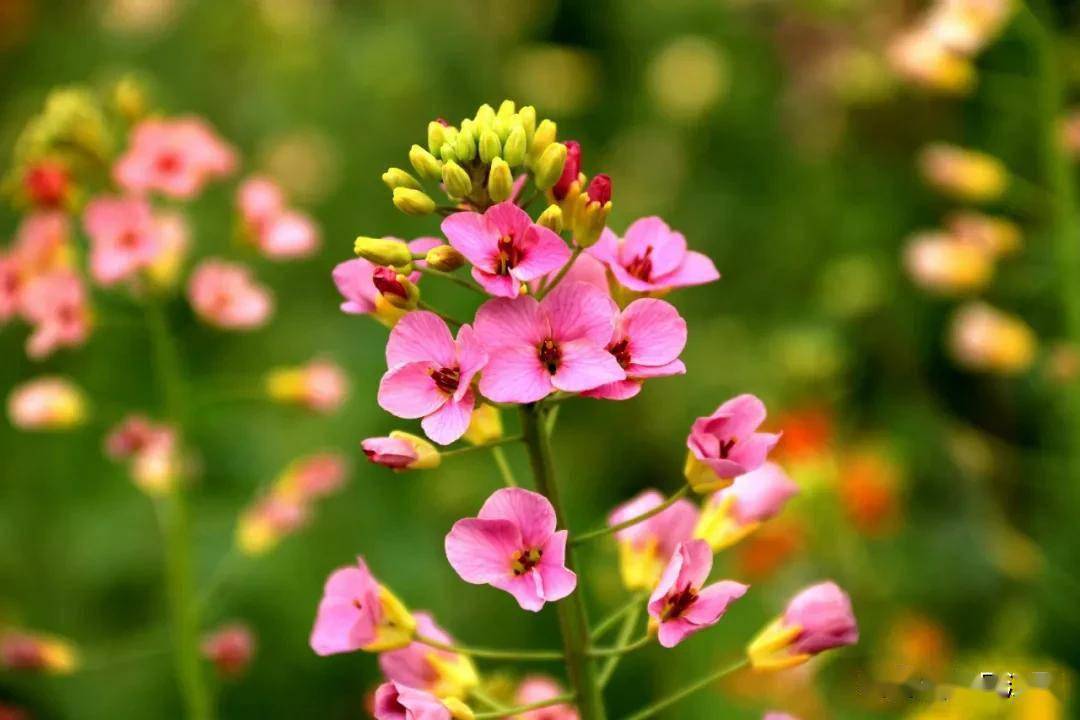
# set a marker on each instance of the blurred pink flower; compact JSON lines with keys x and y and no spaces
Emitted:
{"x":649,"y":337}
{"x":42,"y":242}
{"x":355,"y":281}
{"x":316,"y":476}
{"x":260,"y":200}
{"x":46,"y":403}
{"x":652,"y":257}
{"x":320,"y":386}
{"x":175,"y":157}
{"x":734,"y":512}
{"x":727,"y":441}
{"x":349,"y":613}
{"x":512,"y":545}
{"x":394,"y":701}
{"x":135,"y":434}
{"x":395,"y":453}
{"x":823,"y":612}
{"x":778,"y":716}
{"x":536,"y":348}
{"x":226,"y":295}
{"x":505,"y":247}
{"x":680,"y":604}
{"x":231,"y":648}
{"x":279,"y":232}
{"x":11,"y":286}
{"x":646,"y":547}
{"x":122,"y":237}
{"x":430,"y":375}
{"x":56,"y":305}
{"x":537,"y":688}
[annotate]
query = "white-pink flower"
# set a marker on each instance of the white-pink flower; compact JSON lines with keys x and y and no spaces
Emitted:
{"x":681,"y":604}
{"x":559,"y":343}
{"x":538,"y":688}
{"x":56,"y":305}
{"x":123,"y":239}
{"x":649,"y":337}
{"x":281,"y":233}
{"x":175,"y":157}
{"x":430,"y":375}
{"x":226,"y":295}
{"x":652,"y":257}
{"x":512,"y":545}
{"x":505,"y":247}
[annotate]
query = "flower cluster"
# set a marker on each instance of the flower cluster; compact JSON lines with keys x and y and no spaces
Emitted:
{"x":568,"y":309}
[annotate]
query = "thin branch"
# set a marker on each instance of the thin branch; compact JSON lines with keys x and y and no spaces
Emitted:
{"x":561,"y":274}
{"x":602,"y":532}
{"x":613,"y":619}
{"x":505,"y":470}
{"x":510,"y":712}
{"x":622,"y":649}
{"x":482,"y":446}
{"x":611,"y":663}
{"x":451,"y":320}
{"x":492,"y":653}
{"x":468,"y":284}
{"x":685,"y":692}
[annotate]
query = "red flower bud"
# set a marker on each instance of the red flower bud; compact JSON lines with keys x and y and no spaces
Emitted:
{"x":442,"y":121}
{"x":386,"y":282}
{"x":46,"y":183}
{"x":600,"y":189}
{"x":571,"y":169}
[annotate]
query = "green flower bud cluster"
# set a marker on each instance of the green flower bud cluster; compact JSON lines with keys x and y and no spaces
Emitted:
{"x":475,"y":162}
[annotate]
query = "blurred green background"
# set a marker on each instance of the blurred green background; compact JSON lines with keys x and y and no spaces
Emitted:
{"x":770,"y":133}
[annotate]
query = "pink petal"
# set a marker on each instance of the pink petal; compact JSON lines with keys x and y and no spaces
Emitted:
{"x":751,"y":452}
{"x":450,"y":422}
{"x":471,"y":235}
{"x":696,"y":269}
{"x":713,"y":601}
{"x":606,"y":248}
{"x":409,"y":392}
{"x":665,"y":584}
{"x":290,"y":235}
{"x":422,"y":244}
{"x":471,"y":358}
{"x":501,"y":322}
{"x":353,"y":281}
{"x":531,"y":513}
{"x":580,"y":311}
{"x":546,"y":252}
{"x":558,"y":581}
{"x":515,"y":375}
{"x":480,"y":550}
{"x":674,"y":631}
{"x":632,"y":282}
{"x":337,"y":629}
{"x":638,"y":505}
{"x":584,"y":366}
{"x":675,"y":367}
{"x":656,"y":331}
{"x":619,"y":390}
{"x":668,"y":247}
{"x":697,"y":563}
{"x":505,"y":286}
{"x":527,"y":589}
{"x":508,"y":219}
{"x":421,"y":336}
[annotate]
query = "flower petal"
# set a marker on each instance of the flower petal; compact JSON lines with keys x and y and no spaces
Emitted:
{"x":619,"y":390}
{"x":558,"y":580}
{"x":585,"y":366}
{"x":480,"y":550}
{"x":421,"y":336}
{"x":580,"y":311}
{"x":696,"y":269}
{"x":655,"y":330}
{"x":544,"y":252}
{"x":713,"y":601}
{"x":504,"y":322}
{"x":409,"y":392}
{"x":505,"y":286}
{"x":531,"y":513}
{"x":515,"y":375}
{"x":471,"y":235}
{"x":450,"y":422}
{"x":471,"y":358}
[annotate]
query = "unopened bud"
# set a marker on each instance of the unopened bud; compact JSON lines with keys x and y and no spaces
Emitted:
{"x":514,"y":149}
{"x":570,"y":171}
{"x":590,"y":219}
{"x":542,"y":138}
{"x":600,"y":189}
{"x":527,"y":115}
{"x":490,"y":147}
{"x":456,"y":180}
{"x":445,"y":258}
{"x":426,"y":164}
{"x":485,"y":117}
{"x":436,"y":135}
{"x":413,"y":202}
{"x":551,"y":218}
{"x":500,"y":181}
{"x":507,"y":108}
{"x":383,"y":251}
{"x":396,"y":177}
{"x":549,"y":167}
{"x":447,"y":152}
{"x":465,"y":146}
{"x":398,"y":290}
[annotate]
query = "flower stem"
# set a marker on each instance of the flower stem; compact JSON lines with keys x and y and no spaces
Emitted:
{"x":482,"y":446}
{"x":174,"y":520}
{"x":468,"y":284}
{"x":623,"y":648}
{"x":446,"y":318}
{"x":510,"y":712}
{"x":505,"y":470}
{"x":573,"y":620}
{"x":611,"y":620}
{"x":601,"y":532}
{"x":611,"y":663}
{"x":492,"y":653}
{"x":685,"y":692}
{"x":561,"y":274}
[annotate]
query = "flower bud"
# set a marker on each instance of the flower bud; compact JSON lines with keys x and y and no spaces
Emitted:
{"x":320,"y":386}
{"x":542,"y":138}
{"x":549,"y":167}
{"x":40,"y":653}
{"x":963,"y":174}
{"x":570,"y":171}
{"x":436,"y":135}
{"x":47,"y":184}
{"x":447,"y":152}
{"x":413,"y":202}
{"x":456,"y":180}
{"x":551,"y":218}
{"x":600,"y":189}
{"x":426,"y":164}
{"x":485,"y":117}
{"x":445,"y":258}
{"x":490,"y":147}
{"x":500,"y":181}
{"x":402,"y":451}
{"x":733,"y":513}
{"x":230,"y":648}
{"x":396,"y":288}
{"x":527,"y":116}
{"x":47,"y":403}
{"x":590,"y":218}
{"x":485,"y":425}
{"x":396,"y":177}
{"x":817,"y":619}
{"x":465,"y":146}
{"x":383,"y":251}
{"x":514,"y":149}
{"x":507,"y":109}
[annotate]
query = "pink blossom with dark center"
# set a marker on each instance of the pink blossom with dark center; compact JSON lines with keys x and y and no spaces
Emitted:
{"x":227,"y":296}
{"x":123,"y":239}
{"x":175,"y":157}
{"x":728,"y":442}
{"x":57,"y":307}
{"x":652,"y":257}
{"x":649,"y":337}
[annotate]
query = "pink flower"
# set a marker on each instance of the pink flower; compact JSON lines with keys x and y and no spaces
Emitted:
{"x":505,"y":247}
{"x":320,"y":386}
{"x":652,"y":258}
{"x":824,"y":615}
{"x":349,"y":613}
{"x":122,"y":237}
{"x":56,"y":305}
{"x":431,"y":375}
{"x":512,"y":545}
{"x":571,"y":169}
{"x":778,"y":716}
{"x":680,"y":604}
{"x":42,"y":242}
{"x":440,"y":672}
{"x":134,"y":435}
{"x":395,"y":701}
{"x":355,"y":280}
{"x":260,"y":201}
{"x":174,"y":157}
{"x":559,"y":343}
{"x":649,"y":336}
{"x":736,"y":511}
{"x":279,"y":232}
{"x":230,"y":648}
{"x":401,"y":451}
{"x":11,"y":286}
{"x":46,"y":403}
{"x":646,"y":547}
{"x":726,"y":444}
{"x":315,"y":476}
{"x":225,"y":295}
{"x":537,"y":688}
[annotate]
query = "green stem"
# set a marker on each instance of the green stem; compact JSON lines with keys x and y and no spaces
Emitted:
{"x":611,"y":620}
{"x":492,"y":653}
{"x":601,"y":532}
{"x":468,"y":284}
{"x":627,"y":629}
{"x":482,"y":446}
{"x":562,"y":273}
{"x":505,"y":470}
{"x":484,"y":699}
{"x":685,"y":692}
{"x":174,"y":520}
{"x":510,"y":712}
{"x":623,"y":648}
{"x":446,"y":318}
{"x":573,"y":620}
